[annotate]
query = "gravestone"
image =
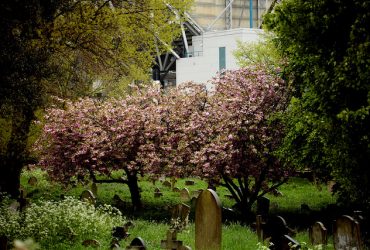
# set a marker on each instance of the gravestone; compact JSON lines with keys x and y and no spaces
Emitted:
{"x":120,"y":233}
{"x":189,"y":182}
{"x":88,"y":196}
{"x":180,"y":216}
{"x":275,"y":229}
{"x":171,"y":242}
{"x":259,"y":227}
{"x":137,"y":244}
{"x":166,"y":184}
{"x":173,"y":182}
{"x":208,"y":221}
{"x":347,"y":234}
{"x":318,"y":234}
{"x":176,"y":189}
{"x":184,"y":195}
{"x":32,"y":181}
{"x":91,"y":243}
{"x":263,"y":206}
{"x":331,"y":185}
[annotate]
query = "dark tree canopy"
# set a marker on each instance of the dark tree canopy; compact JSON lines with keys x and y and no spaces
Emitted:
{"x":327,"y":44}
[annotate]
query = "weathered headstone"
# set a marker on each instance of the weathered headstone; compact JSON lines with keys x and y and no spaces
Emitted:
{"x":331,"y":185}
{"x":88,"y":196}
{"x":347,"y":234}
{"x":171,"y":242}
{"x":275,"y":229}
{"x":166,"y":184}
{"x":137,"y":244}
{"x":208,"y":221}
{"x":263,"y":206}
{"x":189,"y":182}
{"x":120,"y":233}
{"x":184,"y":195}
{"x":32,"y":181}
{"x":173,"y":182}
{"x":91,"y":243}
{"x":318,"y":234}
{"x":180,"y":216}
{"x":176,"y":189}
{"x":259,"y":227}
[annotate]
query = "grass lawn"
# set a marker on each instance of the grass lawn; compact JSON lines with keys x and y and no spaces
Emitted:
{"x":152,"y":223}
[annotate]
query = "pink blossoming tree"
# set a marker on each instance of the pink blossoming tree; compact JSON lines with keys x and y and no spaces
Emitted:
{"x":239,"y":136}
{"x":137,"y":134}
{"x":227,"y":135}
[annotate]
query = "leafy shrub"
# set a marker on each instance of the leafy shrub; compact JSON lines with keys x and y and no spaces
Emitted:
{"x":66,"y":221}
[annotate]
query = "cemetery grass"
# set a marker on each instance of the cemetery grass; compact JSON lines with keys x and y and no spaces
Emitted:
{"x":152,"y":222}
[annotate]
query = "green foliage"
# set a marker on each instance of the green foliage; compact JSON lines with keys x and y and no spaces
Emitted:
{"x":327,"y":45}
{"x":263,"y":53}
{"x":64,"y":222}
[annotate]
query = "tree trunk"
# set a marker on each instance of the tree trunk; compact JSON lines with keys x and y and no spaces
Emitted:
{"x":134,"y":190}
{"x":16,"y":153}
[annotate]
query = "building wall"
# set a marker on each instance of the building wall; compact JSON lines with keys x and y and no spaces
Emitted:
{"x":206,"y":11}
{"x":204,"y":63}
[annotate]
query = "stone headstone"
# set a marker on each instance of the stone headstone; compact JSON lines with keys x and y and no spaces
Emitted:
{"x":259,"y":227}
{"x":263,"y":206}
{"x":171,"y":242}
{"x":180,"y":216}
{"x":347,"y":234}
{"x":176,"y":189}
{"x":184,"y":195}
{"x":91,"y":243}
{"x":32,"y":181}
{"x":189,"y":182}
{"x":275,"y":229}
{"x":173,"y":182}
{"x":318,"y":234}
{"x":208,"y":221}
{"x":166,"y":184}
{"x":331,"y":185}
{"x":120,"y":233}
{"x":88,"y":196}
{"x":137,"y":244}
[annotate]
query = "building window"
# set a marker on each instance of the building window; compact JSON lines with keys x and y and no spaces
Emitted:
{"x":222,"y":58}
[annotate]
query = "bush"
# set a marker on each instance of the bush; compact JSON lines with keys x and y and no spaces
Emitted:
{"x":64,"y":222}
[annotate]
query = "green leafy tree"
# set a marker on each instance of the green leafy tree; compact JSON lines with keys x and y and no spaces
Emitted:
{"x":59,"y":47}
{"x":262,"y":53}
{"x":327,"y":44}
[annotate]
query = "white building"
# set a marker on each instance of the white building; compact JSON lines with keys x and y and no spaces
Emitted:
{"x":212,"y":52}
{"x":209,"y":36}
